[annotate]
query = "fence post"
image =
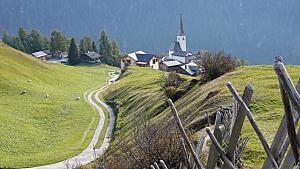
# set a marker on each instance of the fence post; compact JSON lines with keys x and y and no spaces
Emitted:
{"x":184,"y":135}
{"x":253,"y":123}
{"x":216,"y":144}
{"x":213,"y":152}
{"x":238,"y":124}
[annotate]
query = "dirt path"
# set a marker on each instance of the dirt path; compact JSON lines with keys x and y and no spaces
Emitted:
{"x":90,"y":154}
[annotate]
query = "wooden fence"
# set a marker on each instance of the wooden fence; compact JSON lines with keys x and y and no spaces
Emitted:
{"x":283,"y":153}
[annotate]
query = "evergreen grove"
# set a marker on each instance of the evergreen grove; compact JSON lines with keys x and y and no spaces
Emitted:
{"x":34,"y":41}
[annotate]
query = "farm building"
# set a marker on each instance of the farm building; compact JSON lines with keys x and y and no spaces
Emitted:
{"x":40,"y":55}
{"x":141,"y":59}
{"x":170,"y":66}
{"x":91,"y":57}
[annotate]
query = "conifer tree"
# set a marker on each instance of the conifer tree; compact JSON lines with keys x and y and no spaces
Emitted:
{"x":58,"y":42}
{"x":74,"y":57}
{"x":94,"y":47}
{"x":105,"y":47}
{"x":36,"y":41}
{"x":6,"y":38}
{"x":115,"y":49}
{"x":24,"y":38}
{"x":85,"y":45}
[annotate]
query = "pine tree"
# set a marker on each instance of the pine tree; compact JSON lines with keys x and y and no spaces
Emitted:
{"x":74,"y":57}
{"x":105,"y":47}
{"x":17,"y":44}
{"x":58,"y":42}
{"x":115,"y":49}
{"x":36,"y":41}
{"x":94,"y":47}
{"x":6,"y":38}
{"x":24,"y":38}
{"x":85,"y":45}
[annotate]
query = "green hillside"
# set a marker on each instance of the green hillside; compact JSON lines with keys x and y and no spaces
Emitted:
{"x":140,"y":96}
{"x":36,"y":130}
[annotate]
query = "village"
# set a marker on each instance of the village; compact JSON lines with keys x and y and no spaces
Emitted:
{"x":178,"y":60}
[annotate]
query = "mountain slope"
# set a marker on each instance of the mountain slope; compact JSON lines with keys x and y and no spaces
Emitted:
{"x":36,"y":130}
{"x":139,"y":102}
{"x":256,"y":30}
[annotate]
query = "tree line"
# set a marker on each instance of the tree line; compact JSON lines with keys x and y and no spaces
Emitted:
{"x":34,"y":41}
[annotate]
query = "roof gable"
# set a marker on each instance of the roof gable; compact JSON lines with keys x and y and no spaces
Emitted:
{"x":144,"y":57}
{"x":93,"y":55}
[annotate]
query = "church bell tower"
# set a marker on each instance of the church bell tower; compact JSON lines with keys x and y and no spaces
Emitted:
{"x":181,"y":37}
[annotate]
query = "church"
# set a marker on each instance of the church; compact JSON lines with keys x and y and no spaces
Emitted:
{"x":179,"y":58}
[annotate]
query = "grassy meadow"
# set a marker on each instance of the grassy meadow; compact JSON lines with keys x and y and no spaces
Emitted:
{"x":36,"y":130}
{"x":141,"y":98}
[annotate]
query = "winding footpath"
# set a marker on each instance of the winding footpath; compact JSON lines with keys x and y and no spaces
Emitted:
{"x":90,"y":154}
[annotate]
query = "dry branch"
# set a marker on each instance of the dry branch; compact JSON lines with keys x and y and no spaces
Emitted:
{"x":184,"y":135}
{"x":216,"y":144}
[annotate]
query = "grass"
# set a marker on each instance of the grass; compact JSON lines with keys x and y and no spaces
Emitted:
{"x":36,"y":130}
{"x":140,"y":97}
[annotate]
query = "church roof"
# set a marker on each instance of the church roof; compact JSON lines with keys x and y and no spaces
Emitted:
{"x":180,"y":30}
{"x":175,"y":47}
{"x":182,"y":53}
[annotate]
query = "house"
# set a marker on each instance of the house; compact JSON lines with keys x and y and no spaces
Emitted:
{"x":40,"y":55}
{"x":170,"y":66}
{"x":190,"y":69}
{"x":91,"y":57}
{"x":140,"y":58}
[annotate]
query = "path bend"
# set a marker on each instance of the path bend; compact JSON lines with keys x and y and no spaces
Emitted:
{"x":89,"y":154}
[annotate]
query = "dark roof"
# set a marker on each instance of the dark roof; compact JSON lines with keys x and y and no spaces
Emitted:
{"x":93,"y":55}
{"x":175,"y":47}
{"x":180,"y":30}
{"x":144,"y":57}
{"x":181,"y":53}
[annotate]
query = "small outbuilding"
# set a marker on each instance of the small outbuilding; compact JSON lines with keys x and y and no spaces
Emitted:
{"x":91,"y":57}
{"x":170,"y":66}
{"x":40,"y":55}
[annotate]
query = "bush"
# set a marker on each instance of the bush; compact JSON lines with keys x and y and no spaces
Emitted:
{"x":170,"y":91}
{"x":150,"y":143}
{"x":216,"y":64}
{"x":170,"y":84}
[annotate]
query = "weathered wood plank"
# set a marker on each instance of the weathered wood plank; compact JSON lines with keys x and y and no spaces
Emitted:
{"x":186,"y":155}
{"x":290,"y":123}
{"x":237,"y":128}
{"x":287,"y":84}
{"x":213,"y":156}
{"x":163,"y":164}
{"x":184,"y":135}
{"x":289,"y":161}
{"x":156,"y":165}
{"x":216,"y":144}
{"x":277,"y":143}
{"x":253,"y":123}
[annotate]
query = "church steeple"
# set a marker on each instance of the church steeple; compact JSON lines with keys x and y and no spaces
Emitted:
{"x":180,"y":30}
{"x":181,"y":37}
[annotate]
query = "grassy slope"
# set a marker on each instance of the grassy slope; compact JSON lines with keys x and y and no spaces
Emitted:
{"x":143,"y":96}
{"x":36,"y":130}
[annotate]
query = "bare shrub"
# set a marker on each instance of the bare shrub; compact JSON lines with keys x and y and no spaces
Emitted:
{"x":216,"y":64}
{"x":150,"y":143}
{"x":170,"y":84}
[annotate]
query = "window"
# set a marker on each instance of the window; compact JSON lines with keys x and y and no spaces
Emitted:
{"x":182,"y":38}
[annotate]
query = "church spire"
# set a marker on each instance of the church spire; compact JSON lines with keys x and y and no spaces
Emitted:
{"x":180,"y":30}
